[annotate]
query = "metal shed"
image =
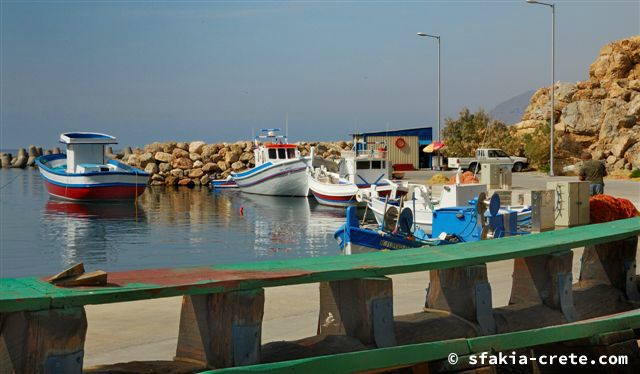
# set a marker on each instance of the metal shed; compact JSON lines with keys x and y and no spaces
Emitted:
{"x":404,"y":146}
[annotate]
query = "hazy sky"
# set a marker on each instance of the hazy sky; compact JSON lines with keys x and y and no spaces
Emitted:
{"x":213,"y":70}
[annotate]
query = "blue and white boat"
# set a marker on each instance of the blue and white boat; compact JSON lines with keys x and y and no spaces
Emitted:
{"x":84,"y":173}
{"x":280,"y":169}
{"x":451,"y":225}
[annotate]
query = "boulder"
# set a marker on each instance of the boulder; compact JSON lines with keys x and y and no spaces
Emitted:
{"x":237,"y":166}
{"x":196,"y":147}
{"x":634,"y":107}
{"x":183,"y":145}
{"x":209,"y":150}
{"x":620,"y":144}
{"x":153,"y":148}
{"x":5,"y":160}
{"x":582,"y":117}
{"x":178,"y":173}
{"x":157,"y":183}
{"x":182,"y":163}
{"x":205,"y":180}
{"x":237,"y":147}
{"x":163,"y":157}
{"x":145,"y":159}
{"x":151,"y":168}
{"x":196,"y":173}
{"x":210,"y":167}
{"x":614,"y":118}
{"x":157,"y":177}
{"x":197,"y":164}
{"x":171,"y":181}
{"x":246,"y":156}
{"x":195,"y":157}
{"x":180,"y":153}
{"x":168,"y":147}
{"x":231,"y":157}
{"x":611,"y":160}
{"x":633,"y":156}
{"x":216,"y":158}
{"x":618,"y":165}
{"x":223,"y":165}
{"x":164,"y":167}
{"x":186,"y":183}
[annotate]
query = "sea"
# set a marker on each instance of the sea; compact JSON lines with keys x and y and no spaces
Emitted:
{"x":165,"y":227}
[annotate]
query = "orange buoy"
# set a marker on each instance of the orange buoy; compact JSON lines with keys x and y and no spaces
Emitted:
{"x":242,"y":211}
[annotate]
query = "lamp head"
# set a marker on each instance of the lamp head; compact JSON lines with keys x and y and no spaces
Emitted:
{"x":422,"y":34}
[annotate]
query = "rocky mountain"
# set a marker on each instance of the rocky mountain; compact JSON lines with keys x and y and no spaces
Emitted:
{"x":510,"y":111}
{"x":600,"y":115}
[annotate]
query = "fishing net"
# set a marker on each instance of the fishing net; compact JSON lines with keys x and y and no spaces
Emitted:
{"x":466,"y":178}
{"x":438,"y":179}
{"x":606,"y":208}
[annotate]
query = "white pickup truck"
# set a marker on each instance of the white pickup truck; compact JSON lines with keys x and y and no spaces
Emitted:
{"x":488,"y":156}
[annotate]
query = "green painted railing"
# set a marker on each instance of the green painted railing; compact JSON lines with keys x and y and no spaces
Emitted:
{"x":31,"y":294}
{"x":413,"y":354}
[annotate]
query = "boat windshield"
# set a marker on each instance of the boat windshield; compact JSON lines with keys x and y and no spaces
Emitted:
{"x":291,"y":153}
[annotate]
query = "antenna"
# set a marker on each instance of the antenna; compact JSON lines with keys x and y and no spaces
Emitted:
{"x":286,"y":127}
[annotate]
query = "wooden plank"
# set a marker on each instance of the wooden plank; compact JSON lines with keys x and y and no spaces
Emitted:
{"x":156,"y":283}
{"x":416,"y":353}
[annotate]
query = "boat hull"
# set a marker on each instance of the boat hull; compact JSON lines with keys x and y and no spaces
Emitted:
{"x":125,"y":184}
{"x":336,"y":195}
{"x":282,"y":179}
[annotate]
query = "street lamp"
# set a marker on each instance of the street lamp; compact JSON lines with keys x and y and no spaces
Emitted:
{"x":438,"y":38}
{"x":553,"y":76}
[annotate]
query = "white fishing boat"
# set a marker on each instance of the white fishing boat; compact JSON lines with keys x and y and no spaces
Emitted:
{"x":422,"y":204}
{"x":85,"y":173}
{"x":358,"y":170}
{"x":280,"y":169}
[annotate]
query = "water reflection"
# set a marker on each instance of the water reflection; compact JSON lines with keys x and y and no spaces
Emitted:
{"x":89,"y":232}
{"x":169,"y":227}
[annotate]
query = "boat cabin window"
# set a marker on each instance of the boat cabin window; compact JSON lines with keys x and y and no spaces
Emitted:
{"x":361,"y":165}
{"x":291,"y":153}
{"x":376,"y":164}
{"x":384,"y":164}
{"x":282,"y":153}
{"x":272,"y":153}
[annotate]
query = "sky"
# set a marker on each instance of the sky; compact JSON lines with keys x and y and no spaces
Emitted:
{"x":218,"y":70}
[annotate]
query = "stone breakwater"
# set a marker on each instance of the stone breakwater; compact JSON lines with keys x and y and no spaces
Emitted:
{"x":25,"y":157}
{"x":194,"y":163}
{"x":182,"y":163}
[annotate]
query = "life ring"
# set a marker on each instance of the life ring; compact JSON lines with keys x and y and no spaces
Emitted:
{"x":400,"y":143}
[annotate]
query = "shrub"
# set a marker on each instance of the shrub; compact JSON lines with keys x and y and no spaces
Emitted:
{"x":635,"y":174}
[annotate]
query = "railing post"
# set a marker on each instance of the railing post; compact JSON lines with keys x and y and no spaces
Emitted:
{"x":360,"y":308}
{"x":221,"y":330}
{"x":608,"y":282}
{"x":465,"y":292}
{"x":47,"y":341}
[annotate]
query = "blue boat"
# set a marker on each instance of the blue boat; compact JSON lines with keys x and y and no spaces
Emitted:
{"x":450,"y":226}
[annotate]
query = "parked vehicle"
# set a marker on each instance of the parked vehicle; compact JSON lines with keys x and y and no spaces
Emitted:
{"x":488,"y":156}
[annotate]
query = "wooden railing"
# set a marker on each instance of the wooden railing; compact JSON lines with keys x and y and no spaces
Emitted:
{"x":43,"y":326}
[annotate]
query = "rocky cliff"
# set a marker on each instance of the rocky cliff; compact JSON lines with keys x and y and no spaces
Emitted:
{"x":600,"y":115}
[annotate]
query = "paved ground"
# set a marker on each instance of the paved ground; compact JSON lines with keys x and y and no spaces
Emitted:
{"x":147,"y":330}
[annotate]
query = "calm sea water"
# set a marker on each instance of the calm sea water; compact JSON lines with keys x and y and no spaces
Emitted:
{"x":166,"y":228}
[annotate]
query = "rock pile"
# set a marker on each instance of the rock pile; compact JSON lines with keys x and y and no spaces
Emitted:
{"x":600,"y":115}
{"x":25,"y":157}
{"x":192,"y":164}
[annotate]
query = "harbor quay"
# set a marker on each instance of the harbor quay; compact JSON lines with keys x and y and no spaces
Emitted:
{"x":148,"y":330}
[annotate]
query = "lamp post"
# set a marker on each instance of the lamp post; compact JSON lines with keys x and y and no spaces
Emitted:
{"x":438,"y":39}
{"x":437,"y":166}
{"x":553,"y":78}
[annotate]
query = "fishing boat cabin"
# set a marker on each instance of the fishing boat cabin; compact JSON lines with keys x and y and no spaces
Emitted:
{"x":275,"y":148}
{"x":86,"y":153}
{"x":365,"y":167}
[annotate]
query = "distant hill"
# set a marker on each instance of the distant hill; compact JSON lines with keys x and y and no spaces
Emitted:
{"x":511,"y":111}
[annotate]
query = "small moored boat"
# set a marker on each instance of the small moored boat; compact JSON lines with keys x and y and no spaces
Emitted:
{"x":84,"y":173}
{"x":280,"y":169}
{"x":358,"y":171}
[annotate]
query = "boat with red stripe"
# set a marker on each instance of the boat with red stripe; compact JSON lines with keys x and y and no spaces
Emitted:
{"x":84,"y":173}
